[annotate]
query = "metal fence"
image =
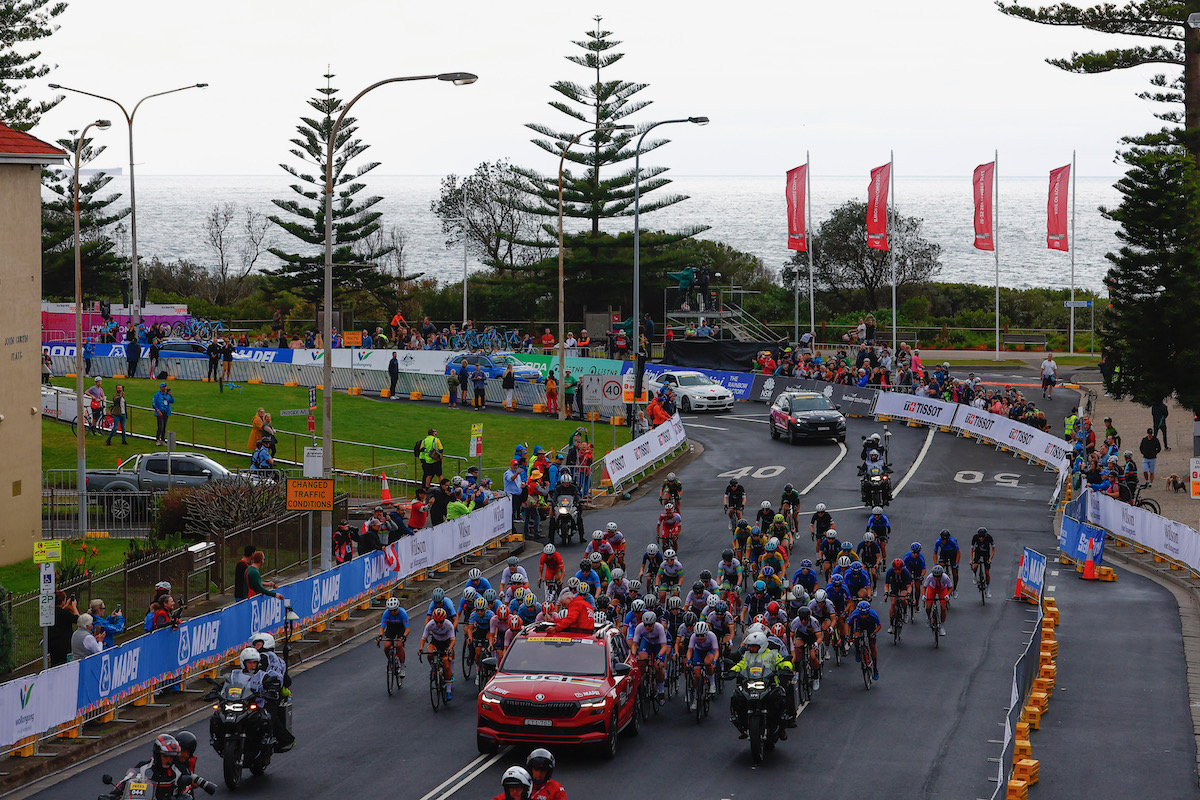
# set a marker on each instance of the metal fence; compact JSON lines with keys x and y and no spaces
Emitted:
{"x":1024,"y":671}
{"x":117,"y":514}
{"x":284,"y":542}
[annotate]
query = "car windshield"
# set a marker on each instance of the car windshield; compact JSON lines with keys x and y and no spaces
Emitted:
{"x":694,"y":380}
{"x":556,"y":655}
{"x":510,"y":360}
{"x":817,"y":403}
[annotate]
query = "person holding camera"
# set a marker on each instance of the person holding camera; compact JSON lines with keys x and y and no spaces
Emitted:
{"x":83,"y":642}
{"x":168,"y":613}
{"x":162,"y":411}
{"x":66,"y":616}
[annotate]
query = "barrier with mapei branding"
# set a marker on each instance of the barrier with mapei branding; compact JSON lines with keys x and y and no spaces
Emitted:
{"x":68,"y":693}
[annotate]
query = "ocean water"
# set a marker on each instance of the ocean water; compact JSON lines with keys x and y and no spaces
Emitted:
{"x":747,"y":213}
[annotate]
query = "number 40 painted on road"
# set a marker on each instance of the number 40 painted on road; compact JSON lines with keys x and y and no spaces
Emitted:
{"x":751,"y":472}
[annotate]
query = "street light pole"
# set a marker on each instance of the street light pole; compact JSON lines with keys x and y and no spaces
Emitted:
{"x":80,"y":431}
{"x":562,"y":333}
{"x":458,"y":79}
{"x":136,"y":308}
{"x":637,"y":250}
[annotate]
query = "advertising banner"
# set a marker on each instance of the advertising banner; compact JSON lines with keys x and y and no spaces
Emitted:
{"x":630,"y":459}
{"x":1056,"y":209}
{"x":1033,"y":574}
{"x":1073,"y":538}
{"x":922,"y":410}
{"x":266,"y":355}
{"x":1172,"y":539}
{"x":577,"y":365}
{"x":795,"y":208}
{"x":982,"y":183}
{"x":37,"y":703}
{"x":853,"y":401}
{"x":877,"y":207}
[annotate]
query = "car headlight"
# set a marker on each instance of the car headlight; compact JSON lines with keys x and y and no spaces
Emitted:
{"x":599,"y":702}
{"x":487,"y":698}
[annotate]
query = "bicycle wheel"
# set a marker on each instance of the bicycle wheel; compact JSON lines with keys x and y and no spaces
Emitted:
{"x":701,"y":692}
{"x":1150,"y":505}
{"x":981,"y":583}
{"x":435,"y":685}
{"x":391,"y":673}
{"x":107,"y":423}
{"x":935,"y":623}
{"x":897,"y":624}
{"x":468,"y":658}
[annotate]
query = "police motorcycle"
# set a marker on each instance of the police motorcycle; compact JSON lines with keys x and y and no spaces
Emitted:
{"x":165,"y":777}
{"x":757,"y":700}
{"x":242,"y":729}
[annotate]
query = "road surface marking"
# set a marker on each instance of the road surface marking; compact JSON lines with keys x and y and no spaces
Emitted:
{"x":706,"y":427}
{"x":464,"y":776}
{"x":913,"y":469}
{"x":829,"y":469}
{"x":1050,"y":589}
{"x":745,"y":418}
{"x":1054,"y":573}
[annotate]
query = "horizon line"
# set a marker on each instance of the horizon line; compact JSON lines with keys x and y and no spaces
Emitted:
{"x":780,"y":175}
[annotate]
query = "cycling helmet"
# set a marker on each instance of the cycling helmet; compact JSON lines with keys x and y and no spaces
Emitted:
{"x":779,"y":630}
{"x":768,"y":571}
{"x":635,"y":587}
{"x":722,"y":607}
{"x":778,"y":518}
{"x":512,"y":561}
{"x":541,"y":759}
{"x":652,"y":599}
{"x":549,"y":549}
{"x":806,"y":564}
{"x":652,"y":549}
{"x":668,"y":554}
{"x":755,"y":642}
{"x":727,"y":554}
{"x":836,"y":580}
{"x":394,"y":602}
{"x":670,"y":506}
{"x":772,"y":607}
{"x":584,"y":587}
{"x":529,"y":600}
{"x":701,"y":629}
{"x":733,"y":482}
{"x":595,"y":557}
{"x":603,"y":601}
{"x":611,"y":527}
{"x":868,"y":537}
{"x":787,"y":487}
{"x":760,"y":586}
{"x":938,"y":570}
{"x":712,"y":601}
{"x":649,"y":618}
{"x":847,"y":547}
{"x":480,"y":604}
{"x":877,"y":510}
{"x":844,"y":562}
{"x":915,"y":547}
{"x":268,"y":641}
{"x":562,"y":613}
{"x":517,"y":776}
{"x":456,"y":480}
{"x":670,"y":476}
{"x":765,"y":504}
{"x":981,"y":530}
{"x":548,"y":608}
{"x":585,"y":565}
{"x":597,"y":535}
{"x":805,"y":613}
{"x":831,"y":534}
{"x":249,"y":654}
{"x":638,"y":605}
{"x":502,"y":611}
{"x":755,"y":531}
{"x":945,"y":534}
{"x":600,"y":619}
{"x":490,"y":595}
{"x":166,"y":746}
{"x":706,"y":575}
{"x":820,"y":507}
{"x":1112,"y":459}
{"x":1128,"y":454}
{"x":697,"y":587}
{"x":439,"y":614}
{"x":898,"y":564}
{"x":742,"y":523}
{"x":864,"y":606}
{"x":618,"y":574}
{"x":514,"y":622}
{"x":573,"y":583}
{"x":759,"y":619}
{"x":674,"y":603}
{"x":690,"y":618}
{"x":474,"y":574}
{"x":439,"y":594}
{"x":469,"y":594}
{"x":857,"y":565}
{"x":820,"y":595}
{"x":772,"y":546}
{"x":519,"y":578}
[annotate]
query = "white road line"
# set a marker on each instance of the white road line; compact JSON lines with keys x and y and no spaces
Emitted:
{"x":464,"y":776}
{"x":740,"y":418}
{"x":1054,"y":573}
{"x":706,"y":427}
{"x":829,"y":469}
{"x":913,"y":469}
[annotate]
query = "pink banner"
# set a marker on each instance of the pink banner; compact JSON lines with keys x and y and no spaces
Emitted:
{"x":1056,"y":209}
{"x":797,"y":236}
{"x":983,"y":206}
{"x":877,"y":207}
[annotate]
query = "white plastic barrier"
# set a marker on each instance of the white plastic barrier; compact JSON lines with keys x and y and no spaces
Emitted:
{"x":1167,"y":537}
{"x":630,"y":459}
{"x":921,"y":410}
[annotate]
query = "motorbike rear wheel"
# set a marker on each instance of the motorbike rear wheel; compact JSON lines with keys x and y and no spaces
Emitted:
{"x":232,"y":765}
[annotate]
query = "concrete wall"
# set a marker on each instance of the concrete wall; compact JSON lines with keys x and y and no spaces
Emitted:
{"x":20,"y":366}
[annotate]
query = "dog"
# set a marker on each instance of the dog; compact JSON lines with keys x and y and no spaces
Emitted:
{"x":1174,"y":483}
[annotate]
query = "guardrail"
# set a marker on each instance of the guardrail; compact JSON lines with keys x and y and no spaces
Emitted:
{"x":1025,"y":669}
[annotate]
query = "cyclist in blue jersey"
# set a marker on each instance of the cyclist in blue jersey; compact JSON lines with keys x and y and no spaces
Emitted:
{"x":806,"y":576}
{"x":479,"y":625}
{"x":589,"y":575}
{"x":441,"y":601}
{"x":948,"y":555}
{"x":840,"y":597}
{"x":865,"y":622}
{"x":869,"y":553}
{"x":636,"y":609}
{"x":756,"y":603}
{"x":476,"y":581}
{"x":879,"y":524}
{"x":466,"y":605}
{"x":858,"y":581}
{"x":528,"y":610}
{"x":393,"y":630}
{"x":914,"y":562}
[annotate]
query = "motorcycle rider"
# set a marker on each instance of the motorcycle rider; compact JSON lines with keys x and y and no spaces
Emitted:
{"x":872,"y":442}
{"x":566,"y":488}
{"x":162,"y":771}
{"x":515,"y":785}
{"x":251,"y":680}
{"x":540,"y":766}
{"x":274,"y":666}
{"x":775,"y":667}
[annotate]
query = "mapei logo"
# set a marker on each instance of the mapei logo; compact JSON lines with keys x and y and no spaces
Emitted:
{"x":26,"y":694}
{"x":196,"y":640}
{"x":266,"y":613}
{"x":376,"y":568}
{"x":326,"y":591}
{"x":118,"y":669}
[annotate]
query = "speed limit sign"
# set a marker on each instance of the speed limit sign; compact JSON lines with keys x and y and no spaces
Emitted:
{"x":612,"y":388}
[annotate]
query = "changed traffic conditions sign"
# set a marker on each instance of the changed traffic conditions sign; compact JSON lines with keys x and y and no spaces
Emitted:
{"x":310,"y":494}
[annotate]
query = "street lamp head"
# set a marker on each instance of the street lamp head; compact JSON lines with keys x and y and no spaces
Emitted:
{"x":607,"y":128}
{"x":1193,"y":20}
{"x":201,"y":85}
{"x":55,"y":86}
{"x":458,"y":78}
{"x":698,"y":120}
{"x":102,"y":124}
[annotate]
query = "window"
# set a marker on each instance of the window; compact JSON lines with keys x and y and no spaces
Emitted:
{"x":157,"y":465}
{"x":620,"y":649}
{"x":185,"y":467}
{"x":695,"y":380}
{"x":814,"y":403}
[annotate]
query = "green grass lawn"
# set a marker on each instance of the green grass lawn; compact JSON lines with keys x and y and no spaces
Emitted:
{"x":378,"y":425}
{"x":23,"y":576}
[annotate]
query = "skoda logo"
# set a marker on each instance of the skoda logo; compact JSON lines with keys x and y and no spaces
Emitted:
{"x":105,"y":675}
{"x":185,"y":650}
{"x":539,"y":697}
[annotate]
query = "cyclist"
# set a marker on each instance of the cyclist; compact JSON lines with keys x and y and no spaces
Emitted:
{"x":729,"y":568}
{"x":794,"y":600}
{"x":858,"y":581}
{"x":496,"y":630}
{"x":735,"y":500}
{"x":669,"y":525}
{"x":393,"y":628}
{"x":479,"y":625}
{"x":651,"y":561}
{"x":540,"y":766}
{"x":466,"y":605}
{"x":823,"y":610}
{"x":741,"y":539}
{"x":839,"y":595}
{"x":897,"y":583}
{"x":512,"y":568}
{"x":636,"y":609}
{"x":938,"y":587}
{"x":599,"y":546}
{"x":616,"y":540}
{"x":670,"y":572}
{"x":773,"y":556}
{"x":789,"y":504}
{"x":721,"y":622}
{"x":819,"y":522}
{"x":865,"y":622}
{"x":845,"y":551}
{"x":775,"y":613}
{"x":588,"y":575}
{"x":476,"y":581}
{"x":548,"y":613}
{"x":697,"y":598}
{"x":445,"y":603}
{"x":756,"y":602}
{"x":773,"y":581}
{"x":518,"y":585}
{"x":618,"y":587}
{"x":881,"y":526}
{"x":806,"y":639}
{"x":602,"y":570}
{"x":671,"y":492}
{"x":650,"y":641}
{"x":681,"y":633}
{"x":494,"y":600}
{"x":730,"y":595}
{"x":827,"y":551}
{"x":948,"y":555}
{"x":983,"y":550}
{"x":439,"y":635}
{"x":756,"y":545}
{"x":550,"y":567}
{"x":779,"y":529}
{"x":914,"y":562}
{"x":805,"y":577}
{"x":528,"y":610}
{"x":869,"y":553}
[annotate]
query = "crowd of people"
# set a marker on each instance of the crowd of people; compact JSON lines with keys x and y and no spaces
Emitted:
{"x":535,"y":487}
{"x":1101,"y":465}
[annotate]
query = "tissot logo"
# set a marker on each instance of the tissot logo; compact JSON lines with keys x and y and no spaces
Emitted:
{"x":980,"y":423}
{"x":1020,"y":436}
{"x":925,"y":409}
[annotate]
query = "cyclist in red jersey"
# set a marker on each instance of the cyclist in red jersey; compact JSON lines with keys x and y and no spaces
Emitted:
{"x":669,"y":524}
{"x":550,"y":566}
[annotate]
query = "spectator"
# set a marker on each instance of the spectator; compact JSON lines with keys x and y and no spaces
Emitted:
{"x":534,"y":499}
{"x":241,"y":588}
{"x":47,"y":372}
{"x":398,"y":527}
{"x":120,"y":412}
{"x":547,"y":342}
{"x":464,"y":382}
{"x":551,"y":394}
{"x":66,"y":615}
{"x":513,"y":487}
{"x":394,"y":376}
{"x":641,"y":424}
{"x":254,"y":577}
{"x":162,"y":411}
{"x":83,"y":641}
{"x":133,"y":354}
{"x":256,"y":429}
{"x":648,"y":328}
{"x":1149,"y":448}
{"x":555,"y":470}
{"x":657,"y":414}
{"x":431,"y":451}
{"x":262,"y":461}
{"x":460,"y":505}
{"x":95,"y":395}
{"x":370,"y":539}
{"x":418,"y":513}
{"x":89,"y":351}
{"x":479,"y":382}
{"x":110,"y":626}
{"x":343,"y":544}
{"x":569,"y":384}
{"x":452,"y":388}
{"x":164,"y":614}
{"x":439,"y":499}
{"x":155,"y":349}
{"x":509,"y":384}
{"x":1158,"y":414}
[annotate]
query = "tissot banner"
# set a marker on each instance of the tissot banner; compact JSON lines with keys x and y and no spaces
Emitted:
{"x":877,"y":207}
{"x":1056,"y":209}
{"x":795,"y":208}
{"x":982,"y":185}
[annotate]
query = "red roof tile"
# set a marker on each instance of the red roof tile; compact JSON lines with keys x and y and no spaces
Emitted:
{"x":17,"y":143}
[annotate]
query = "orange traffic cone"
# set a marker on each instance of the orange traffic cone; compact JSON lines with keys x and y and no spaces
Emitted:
{"x":1019,"y":592}
{"x":118,"y":462}
{"x":1089,"y":566}
{"x":387,"y":493}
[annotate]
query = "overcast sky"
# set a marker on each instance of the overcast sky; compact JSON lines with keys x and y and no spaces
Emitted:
{"x":942,"y":82}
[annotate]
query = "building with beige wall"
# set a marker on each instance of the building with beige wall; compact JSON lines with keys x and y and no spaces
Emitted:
{"x":21,"y":159}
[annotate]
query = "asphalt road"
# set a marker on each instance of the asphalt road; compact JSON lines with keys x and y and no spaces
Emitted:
{"x":924,"y":729}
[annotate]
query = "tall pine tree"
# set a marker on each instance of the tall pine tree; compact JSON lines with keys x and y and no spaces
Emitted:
{"x":357,"y":251}
{"x":22,"y":22}
{"x":101,"y":269}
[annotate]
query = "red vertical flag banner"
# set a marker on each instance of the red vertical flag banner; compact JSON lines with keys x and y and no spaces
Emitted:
{"x":795,"y":208}
{"x":877,"y":207}
{"x":983,"y":206}
{"x":1056,"y":209}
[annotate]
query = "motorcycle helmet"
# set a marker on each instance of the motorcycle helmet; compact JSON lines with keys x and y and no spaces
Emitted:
{"x":820,"y":595}
{"x":394,"y":602}
{"x":167,"y":747}
{"x":514,"y":777}
{"x":652,"y":549}
{"x":868,"y":537}
{"x":820,"y":507}
{"x":268,"y":641}
{"x":475,"y":574}
{"x":938,"y":570}
{"x":755,"y":642}
{"x":247,"y":655}
{"x":863,"y":606}
{"x":540,"y":759}
{"x":668,"y":554}
{"x":649,"y":618}
{"x":187,"y":744}
{"x":549,"y":549}
{"x":611,"y":527}
{"x":915,"y":547}
{"x":565,"y":480}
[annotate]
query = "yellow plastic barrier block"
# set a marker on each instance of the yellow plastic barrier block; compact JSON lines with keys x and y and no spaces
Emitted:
{"x":115,"y":377}
{"x":420,"y":576}
{"x":1108,"y":574}
{"x":144,"y":699}
{"x":254,"y":381}
{"x":320,"y":627}
{"x":618,"y":421}
{"x":1158,"y":558}
{"x":1051,"y":646}
{"x":1032,"y":716}
{"x":493,"y":544}
{"x":442,"y":567}
{"x":111,"y":713}
{"x":414,"y":395}
{"x":1041,"y":700}
{"x":96,"y":534}
{"x":1022,"y":748}
{"x":1063,"y":559}
{"x":26,"y":747}
{"x":364,"y":605}
{"x":1044,"y":685}
{"x":1050,"y":602}
{"x":72,"y":730}
{"x":593,"y":416}
{"x":354,"y":390}
{"x":290,"y":383}
{"x":539,"y":408}
{"x":385,"y":392}
{"x":170,"y":377}
{"x":1016,"y":790}
{"x":1045,"y":657}
{"x":1022,"y":730}
{"x":1027,"y":769}
{"x":1048,"y":671}
{"x":445,"y":399}
{"x":342,"y":617}
{"x":320,"y":387}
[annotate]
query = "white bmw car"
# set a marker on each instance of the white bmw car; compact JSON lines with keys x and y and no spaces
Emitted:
{"x":694,"y":391}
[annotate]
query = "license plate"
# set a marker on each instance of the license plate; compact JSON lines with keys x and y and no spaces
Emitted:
{"x":540,"y":723}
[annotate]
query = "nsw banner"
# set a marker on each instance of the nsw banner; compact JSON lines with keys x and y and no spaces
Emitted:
{"x":922,"y":410}
{"x":630,"y":459}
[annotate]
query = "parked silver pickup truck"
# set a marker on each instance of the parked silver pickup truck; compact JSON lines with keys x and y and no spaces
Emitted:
{"x":148,"y":472}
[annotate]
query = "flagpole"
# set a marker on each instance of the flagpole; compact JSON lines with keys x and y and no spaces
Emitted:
{"x":995,"y":240}
{"x":1071,"y":247}
{"x":812,"y":308}
{"x":891,"y":244}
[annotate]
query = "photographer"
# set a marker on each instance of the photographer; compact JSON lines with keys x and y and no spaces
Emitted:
{"x":66,"y":616}
{"x":168,"y":613}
